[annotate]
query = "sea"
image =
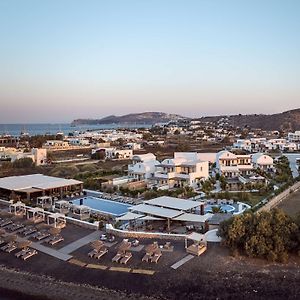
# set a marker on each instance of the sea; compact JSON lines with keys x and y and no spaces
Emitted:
{"x":43,"y":129}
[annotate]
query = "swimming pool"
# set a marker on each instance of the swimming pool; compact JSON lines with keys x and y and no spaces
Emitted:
{"x":102,"y":205}
{"x":224,"y":207}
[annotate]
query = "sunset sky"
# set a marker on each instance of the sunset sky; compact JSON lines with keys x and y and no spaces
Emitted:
{"x":61,"y":60}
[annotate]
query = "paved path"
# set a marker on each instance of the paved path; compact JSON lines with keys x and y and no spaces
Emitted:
{"x":80,"y":243}
{"x":51,"y":252}
{"x":182,"y":261}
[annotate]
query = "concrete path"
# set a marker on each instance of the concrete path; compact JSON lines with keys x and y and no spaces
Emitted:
{"x":182,"y":261}
{"x":80,"y":243}
{"x":51,"y":252}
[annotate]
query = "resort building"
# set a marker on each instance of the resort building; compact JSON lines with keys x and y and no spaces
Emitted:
{"x":29,"y":187}
{"x":8,"y":141}
{"x":231,"y":165}
{"x":168,"y":211}
{"x":142,"y":167}
{"x":38,"y":155}
{"x":262,"y":161}
{"x":114,"y":153}
{"x":56,"y":145}
{"x":294,"y":137}
{"x":185,"y":169}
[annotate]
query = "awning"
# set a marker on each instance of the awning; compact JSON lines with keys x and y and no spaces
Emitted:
{"x":151,"y":218}
{"x":129,"y":217}
{"x":197,"y":237}
{"x":193,"y":218}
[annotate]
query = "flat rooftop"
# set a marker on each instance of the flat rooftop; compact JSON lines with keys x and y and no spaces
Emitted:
{"x":35,"y":181}
{"x":173,"y":203}
{"x":155,"y":211}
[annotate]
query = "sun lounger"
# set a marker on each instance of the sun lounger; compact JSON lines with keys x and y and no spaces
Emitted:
{"x":146,"y":257}
{"x":155,"y":258}
{"x":55,"y":240}
{"x":92,"y":253}
{"x":5,"y":223}
{"x":7,"y":245}
{"x":29,"y":254}
{"x":117,"y":257}
{"x":126,"y":258}
{"x":101,"y":253}
{"x":22,"y":252}
{"x":40,"y":235}
{"x":29,"y":231}
{"x":11,"y":248}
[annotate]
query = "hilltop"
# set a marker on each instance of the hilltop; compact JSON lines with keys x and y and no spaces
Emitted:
{"x":150,"y":118}
{"x":288,"y":120}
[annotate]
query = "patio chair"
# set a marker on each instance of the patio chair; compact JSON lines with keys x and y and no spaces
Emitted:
{"x":22,"y":252}
{"x":5,"y":223}
{"x":146,"y":257}
{"x":135,"y":243}
{"x":93,"y":252}
{"x":7,"y":245}
{"x":101,"y":253}
{"x":126,"y":258}
{"x":29,"y":231}
{"x":29,"y":254}
{"x":55,"y":240}
{"x":117,"y":257}
{"x":11,"y":248}
{"x":155,"y":257}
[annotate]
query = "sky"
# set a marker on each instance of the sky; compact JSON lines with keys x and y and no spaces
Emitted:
{"x":61,"y":60}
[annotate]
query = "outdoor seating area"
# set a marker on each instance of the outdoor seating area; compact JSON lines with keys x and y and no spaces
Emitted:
{"x":99,"y":249}
{"x":10,"y":243}
{"x":18,"y":209}
{"x":199,"y":245}
{"x":80,"y":212}
{"x":123,"y":255}
{"x":153,"y":253}
{"x":36,"y":215}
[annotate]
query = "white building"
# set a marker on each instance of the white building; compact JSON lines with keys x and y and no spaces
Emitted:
{"x":231,"y":165}
{"x":262,"y":161}
{"x":56,"y":144}
{"x":79,"y":142}
{"x":185,"y":169}
{"x":38,"y":155}
{"x":142,"y":167}
{"x":114,"y":153}
{"x":294,"y":137}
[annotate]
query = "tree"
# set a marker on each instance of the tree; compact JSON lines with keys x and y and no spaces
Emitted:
{"x":270,"y":235}
{"x":23,"y":163}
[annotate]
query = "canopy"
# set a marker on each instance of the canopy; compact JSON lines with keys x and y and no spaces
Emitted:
{"x":129,"y":217}
{"x":193,"y":218}
{"x":197,"y":237}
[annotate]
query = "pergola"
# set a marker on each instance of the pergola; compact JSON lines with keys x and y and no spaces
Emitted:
{"x":57,"y":220}
{"x":80,"y":212}
{"x":199,"y":243}
{"x":62,"y":206}
{"x":44,"y":201}
{"x":18,"y":208}
{"x":36,"y":215}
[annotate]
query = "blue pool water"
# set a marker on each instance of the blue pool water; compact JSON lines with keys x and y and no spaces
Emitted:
{"x":105,"y":206}
{"x":224,"y":207}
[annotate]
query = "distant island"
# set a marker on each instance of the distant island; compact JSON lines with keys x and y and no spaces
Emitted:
{"x":288,"y":120}
{"x":149,"y":118}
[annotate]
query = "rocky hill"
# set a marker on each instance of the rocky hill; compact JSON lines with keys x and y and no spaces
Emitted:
{"x":139,"y":118}
{"x":288,"y":120}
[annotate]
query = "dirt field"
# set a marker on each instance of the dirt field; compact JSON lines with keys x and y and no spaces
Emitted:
{"x":291,"y":205}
